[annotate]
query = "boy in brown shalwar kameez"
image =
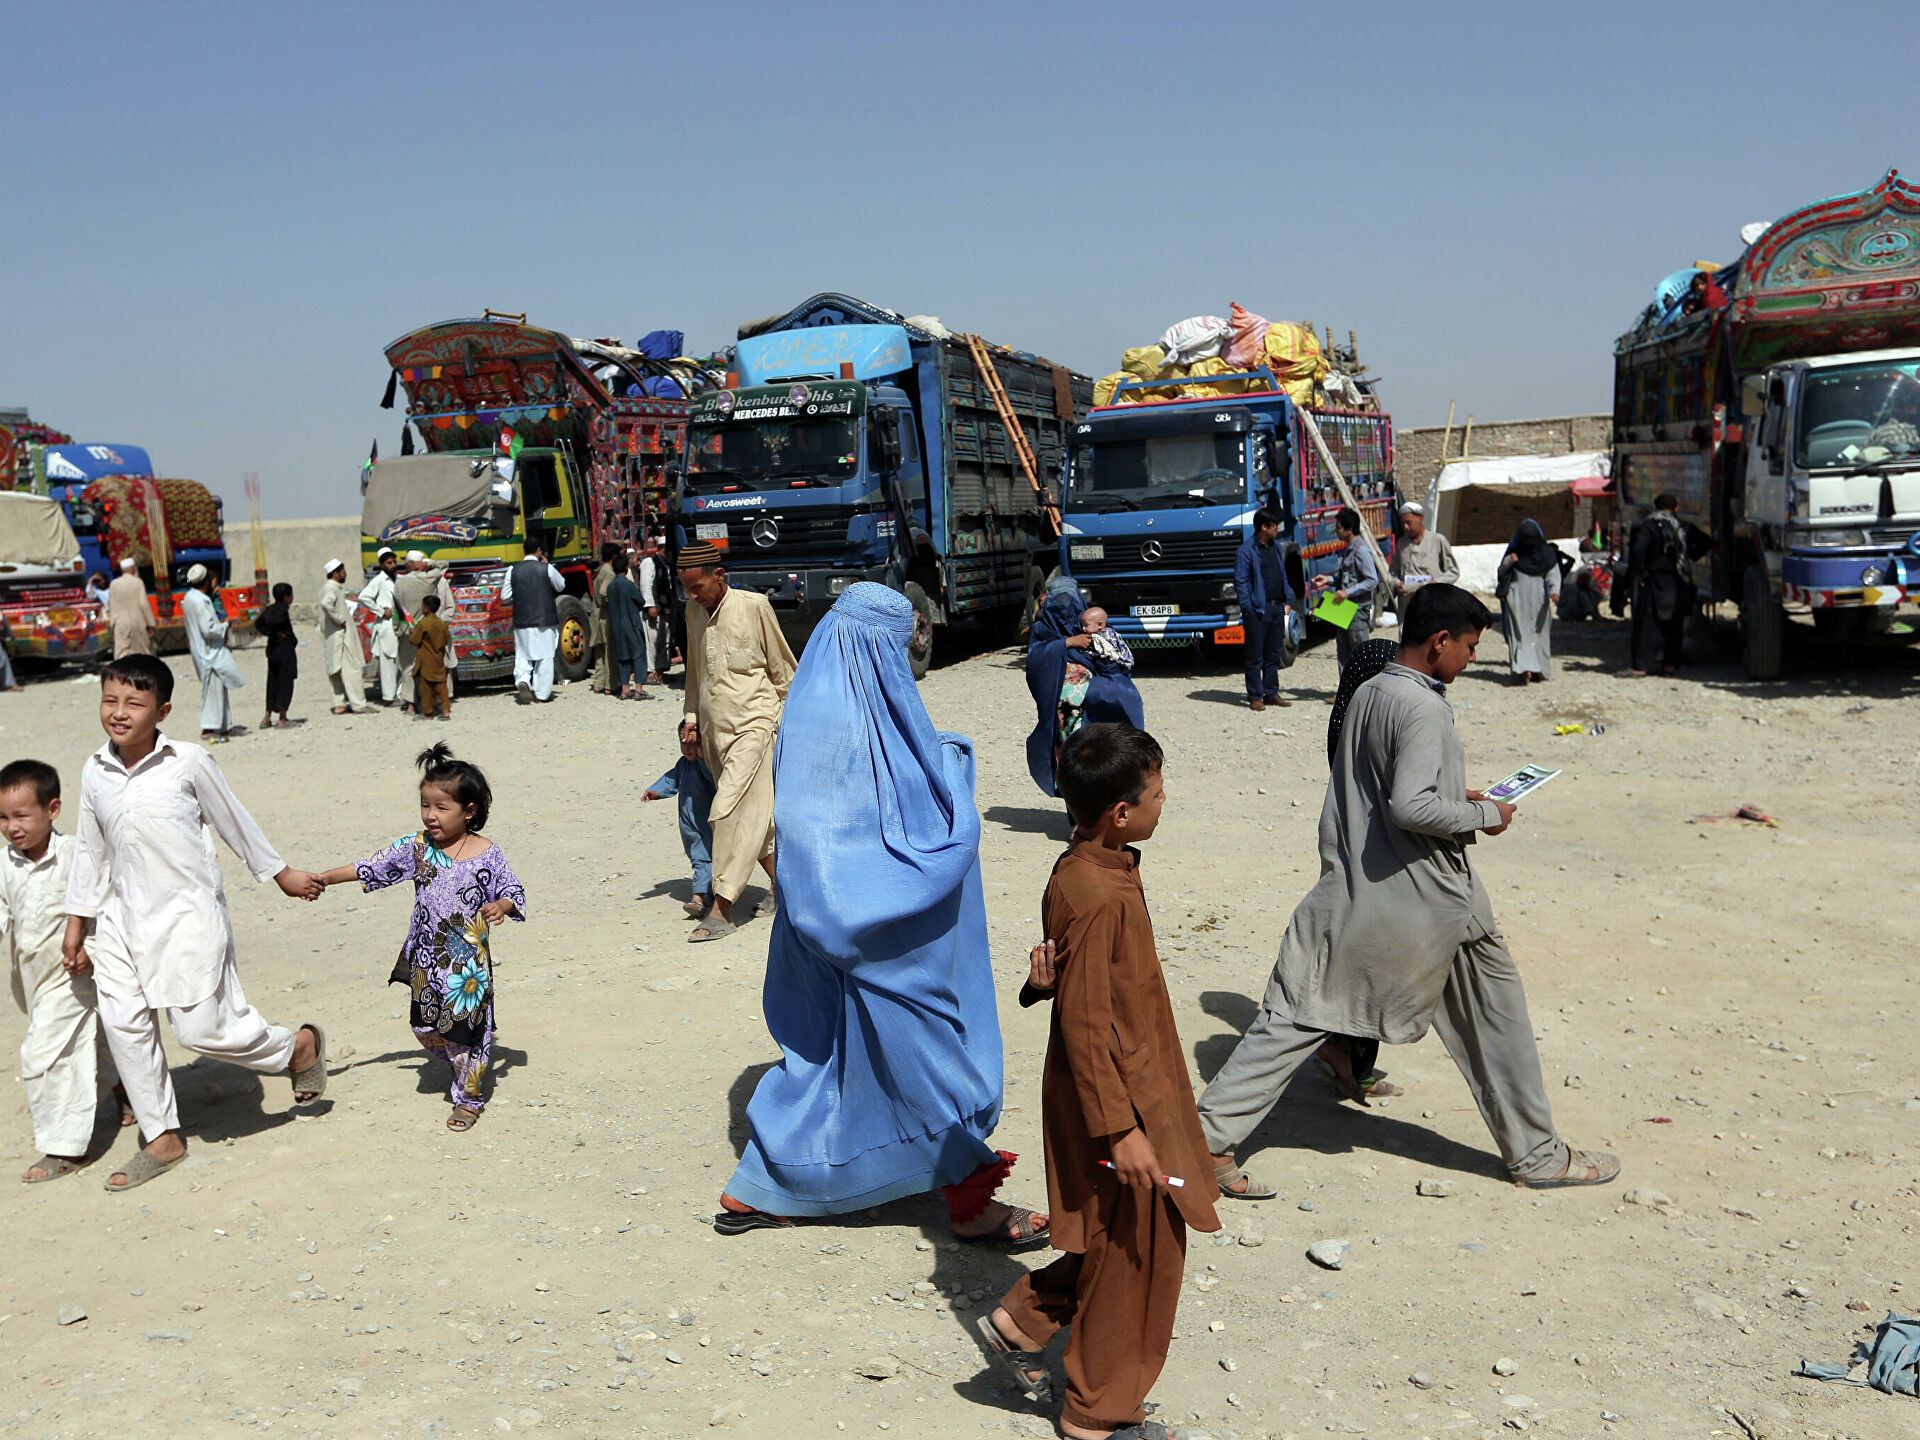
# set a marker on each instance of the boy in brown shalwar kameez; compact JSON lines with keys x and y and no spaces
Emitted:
{"x":1116,"y":1094}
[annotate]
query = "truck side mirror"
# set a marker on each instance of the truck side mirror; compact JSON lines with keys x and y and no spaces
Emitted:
{"x":883,"y":440}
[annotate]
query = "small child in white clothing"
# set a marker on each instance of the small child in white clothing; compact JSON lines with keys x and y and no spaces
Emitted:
{"x":63,"y":1060}
{"x":1106,"y":645}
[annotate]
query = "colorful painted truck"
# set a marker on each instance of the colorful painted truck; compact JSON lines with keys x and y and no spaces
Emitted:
{"x":1787,"y":422}
{"x":1161,"y":495}
{"x":859,"y":445}
{"x":524,"y":432}
{"x":45,"y":613}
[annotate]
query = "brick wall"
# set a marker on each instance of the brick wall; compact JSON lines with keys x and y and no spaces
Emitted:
{"x":1417,"y":458}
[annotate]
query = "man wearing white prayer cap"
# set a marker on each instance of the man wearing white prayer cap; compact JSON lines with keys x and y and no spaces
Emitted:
{"x":212,"y":661}
{"x":340,"y":640}
{"x":419,"y":579}
{"x":128,"y":616}
{"x":1423,"y":556}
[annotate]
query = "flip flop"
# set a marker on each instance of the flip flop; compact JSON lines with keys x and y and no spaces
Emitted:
{"x":312,"y":1081}
{"x":55,"y":1166}
{"x":1026,"y":1234}
{"x":1605,"y":1167}
{"x":698,"y":907}
{"x":341,"y":710}
{"x":711,"y":928}
{"x":739,"y":1222}
{"x":1225,"y":1175}
{"x":1017,"y":1363}
{"x":142,"y":1168}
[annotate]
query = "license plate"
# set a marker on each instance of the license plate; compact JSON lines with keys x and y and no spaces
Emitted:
{"x":710,"y":532}
{"x":1087,"y":552}
{"x":1230,"y":635}
{"x":1150,"y":612}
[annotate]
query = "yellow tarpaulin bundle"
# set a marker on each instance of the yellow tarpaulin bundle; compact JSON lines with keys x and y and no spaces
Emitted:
{"x":1103,"y":388}
{"x":1144,"y":362}
{"x":1293,"y":354}
{"x":1214,"y":365}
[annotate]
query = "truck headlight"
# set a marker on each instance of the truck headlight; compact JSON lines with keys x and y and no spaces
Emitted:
{"x":839,"y":583}
{"x":1872,"y":575}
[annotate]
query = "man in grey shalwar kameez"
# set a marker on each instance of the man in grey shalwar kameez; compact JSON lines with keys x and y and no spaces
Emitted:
{"x":213,"y":662}
{"x":1399,"y":933}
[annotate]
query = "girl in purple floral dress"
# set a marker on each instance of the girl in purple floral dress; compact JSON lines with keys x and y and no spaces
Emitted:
{"x":462,"y":888}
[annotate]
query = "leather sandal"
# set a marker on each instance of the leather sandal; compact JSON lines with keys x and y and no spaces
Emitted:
{"x":1019,"y":1364}
{"x":1225,"y":1175}
{"x":1584,"y":1167}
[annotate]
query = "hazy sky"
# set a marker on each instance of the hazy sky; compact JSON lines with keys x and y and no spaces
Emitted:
{"x":217,"y":216}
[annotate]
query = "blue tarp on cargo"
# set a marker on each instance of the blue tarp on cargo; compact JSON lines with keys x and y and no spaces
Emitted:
{"x":67,"y":463}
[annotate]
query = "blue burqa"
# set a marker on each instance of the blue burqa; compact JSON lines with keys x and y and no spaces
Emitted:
{"x":879,"y":984}
{"x":1111,"y":695}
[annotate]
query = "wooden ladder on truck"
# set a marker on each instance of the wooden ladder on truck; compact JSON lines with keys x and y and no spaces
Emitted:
{"x":1010,"y":422}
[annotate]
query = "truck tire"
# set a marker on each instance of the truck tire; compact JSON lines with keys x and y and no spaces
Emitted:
{"x":920,"y":646}
{"x":573,"y":656}
{"x":1762,"y":626}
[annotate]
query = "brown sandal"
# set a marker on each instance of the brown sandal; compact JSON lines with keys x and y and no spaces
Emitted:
{"x":462,"y":1118}
{"x":1584,"y":1167}
{"x":1225,"y":1175}
{"x":1020,"y":1230}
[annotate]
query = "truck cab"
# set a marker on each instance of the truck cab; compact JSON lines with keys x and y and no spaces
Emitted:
{"x":1159,"y":500}
{"x":472,"y":510}
{"x":1833,"y":480}
{"x":804,"y":485}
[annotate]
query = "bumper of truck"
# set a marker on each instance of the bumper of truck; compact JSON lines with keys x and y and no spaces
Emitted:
{"x":1856,"y":579}
{"x":805,"y":594}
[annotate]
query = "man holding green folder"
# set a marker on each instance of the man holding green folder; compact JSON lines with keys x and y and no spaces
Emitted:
{"x":1355,"y":579}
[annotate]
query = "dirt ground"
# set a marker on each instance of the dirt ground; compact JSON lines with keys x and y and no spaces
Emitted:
{"x":1724,"y":1004}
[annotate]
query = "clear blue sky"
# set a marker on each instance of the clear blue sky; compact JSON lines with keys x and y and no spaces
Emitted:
{"x":218,"y":215}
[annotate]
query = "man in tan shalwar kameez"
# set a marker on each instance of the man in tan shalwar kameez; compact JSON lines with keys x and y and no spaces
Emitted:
{"x":127,"y":612}
{"x":738,"y":669}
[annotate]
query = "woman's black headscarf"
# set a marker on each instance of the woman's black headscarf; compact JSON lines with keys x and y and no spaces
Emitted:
{"x":1365,"y":663}
{"x":1533,"y":553}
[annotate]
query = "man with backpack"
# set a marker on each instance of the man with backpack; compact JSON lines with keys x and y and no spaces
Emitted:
{"x":1660,"y":574}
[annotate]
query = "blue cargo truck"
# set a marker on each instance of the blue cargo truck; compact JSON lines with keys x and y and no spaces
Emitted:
{"x":1161,"y":494}
{"x":852,"y":444}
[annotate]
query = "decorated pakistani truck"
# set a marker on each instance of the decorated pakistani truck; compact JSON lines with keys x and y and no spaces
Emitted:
{"x":1779,"y":400}
{"x":522,"y":432}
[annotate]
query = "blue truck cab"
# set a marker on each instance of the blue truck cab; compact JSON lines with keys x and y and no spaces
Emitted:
{"x":68,"y":472}
{"x":1161,"y":494}
{"x":852,"y":444}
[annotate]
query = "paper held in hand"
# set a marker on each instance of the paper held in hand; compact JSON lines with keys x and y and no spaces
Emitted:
{"x":1523,"y":781}
{"x":1338,"y":613}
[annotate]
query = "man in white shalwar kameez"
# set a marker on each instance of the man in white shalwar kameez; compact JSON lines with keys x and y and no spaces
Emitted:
{"x":532,"y":587}
{"x":377,"y":597}
{"x":213,"y":662}
{"x":340,"y":641}
{"x":64,"y":1064}
{"x":146,"y":881}
{"x":1399,"y":935}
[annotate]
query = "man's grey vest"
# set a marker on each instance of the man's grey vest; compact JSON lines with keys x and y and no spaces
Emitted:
{"x":533,"y":597}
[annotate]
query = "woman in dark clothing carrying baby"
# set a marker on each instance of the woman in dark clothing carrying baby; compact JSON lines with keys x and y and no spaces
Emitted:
{"x":1076,"y":677}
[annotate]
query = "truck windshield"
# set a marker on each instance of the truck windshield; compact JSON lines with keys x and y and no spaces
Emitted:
{"x":774,"y":452}
{"x":1859,"y":415}
{"x":1159,"y":472}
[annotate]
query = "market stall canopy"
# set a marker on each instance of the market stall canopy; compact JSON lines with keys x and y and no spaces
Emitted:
{"x":34,"y":534}
{"x":418,"y":485}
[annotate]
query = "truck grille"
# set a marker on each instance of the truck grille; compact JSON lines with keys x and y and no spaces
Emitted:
{"x":815,"y":531}
{"x":1125,"y":555}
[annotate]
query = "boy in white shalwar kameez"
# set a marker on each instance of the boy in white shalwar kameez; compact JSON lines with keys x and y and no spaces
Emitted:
{"x":63,"y":1059}
{"x":146,"y":875}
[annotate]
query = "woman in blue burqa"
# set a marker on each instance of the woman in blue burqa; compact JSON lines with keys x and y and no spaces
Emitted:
{"x":879,"y":983}
{"x":1077,"y":677}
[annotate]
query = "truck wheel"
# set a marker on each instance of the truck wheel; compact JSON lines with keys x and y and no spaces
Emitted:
{"x":920,"y":646}
{"x":573,"y":657}
{"x":1762,"y":626}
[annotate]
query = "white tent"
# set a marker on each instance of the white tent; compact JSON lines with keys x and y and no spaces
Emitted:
{"x":1479,"y":564}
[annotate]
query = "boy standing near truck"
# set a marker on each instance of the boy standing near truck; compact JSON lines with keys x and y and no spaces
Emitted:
{"x":1117,"y":1112}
